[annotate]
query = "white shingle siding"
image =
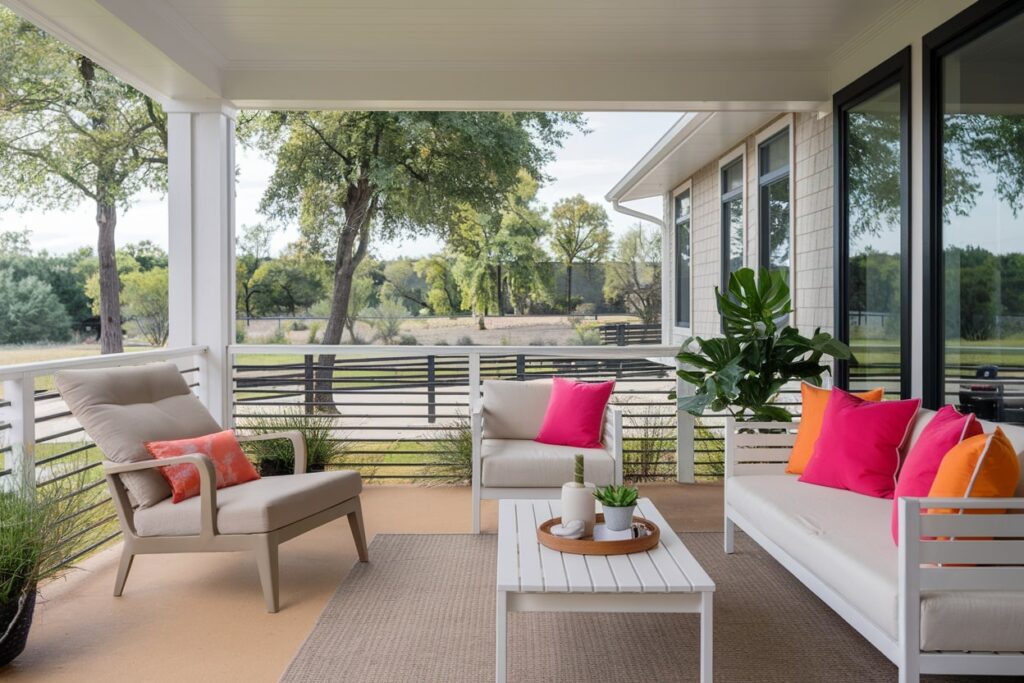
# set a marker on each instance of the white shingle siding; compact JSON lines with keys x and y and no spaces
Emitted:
{"x":812,"y":210}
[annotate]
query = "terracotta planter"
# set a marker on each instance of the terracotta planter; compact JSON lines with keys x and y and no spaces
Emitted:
{"x":15,"y":621}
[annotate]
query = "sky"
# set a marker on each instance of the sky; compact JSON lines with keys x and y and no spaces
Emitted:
{"x":588,"y":164}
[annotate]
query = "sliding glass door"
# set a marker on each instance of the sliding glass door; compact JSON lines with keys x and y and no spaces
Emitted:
{"x":873,"y":228}
{"x":976,"y":250}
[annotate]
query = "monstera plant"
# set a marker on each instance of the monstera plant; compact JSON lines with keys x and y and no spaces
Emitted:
{"x":743,"y":371}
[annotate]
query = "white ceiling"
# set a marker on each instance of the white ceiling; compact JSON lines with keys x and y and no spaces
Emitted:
{"x":642,"y":54}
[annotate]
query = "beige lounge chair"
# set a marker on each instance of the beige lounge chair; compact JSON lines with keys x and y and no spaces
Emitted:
{"x":122,"y":408}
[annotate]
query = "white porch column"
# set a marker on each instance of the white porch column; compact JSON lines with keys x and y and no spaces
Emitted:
{"x":201,"y":244}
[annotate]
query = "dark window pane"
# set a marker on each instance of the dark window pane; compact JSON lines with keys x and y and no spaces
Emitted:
{"x":983,"y":223}
{"x":732,"y":176}
{"x":874,"y":215}
{"x":732,"y":212}
{"x":683,"y":259}
{"x":776,"y":197}
{"x":774,"y":154}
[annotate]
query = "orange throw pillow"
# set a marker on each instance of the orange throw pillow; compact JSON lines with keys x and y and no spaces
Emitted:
{"x":982,"y":466}
{"x":813,"y":400}
{"x":228,"y":460}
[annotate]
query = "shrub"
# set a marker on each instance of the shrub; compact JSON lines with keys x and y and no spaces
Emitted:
{"x":299,"y":326}
{"x":314,"y":331}
{"x":241,"y":333}
{"x":30,"y":312}
{"x":408,"y":340}
{"x":453,"y":453}
{"x":386,"y":320}
{"x":585,"y":335}
{"x":322,"y":446}
{"x":464,"y":340}
{"x":276,"y":337}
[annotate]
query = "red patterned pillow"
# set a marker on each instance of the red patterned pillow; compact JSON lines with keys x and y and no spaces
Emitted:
{"x":228,"y":460}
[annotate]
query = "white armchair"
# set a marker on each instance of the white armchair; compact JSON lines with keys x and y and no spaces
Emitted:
{"x":508,"y":463}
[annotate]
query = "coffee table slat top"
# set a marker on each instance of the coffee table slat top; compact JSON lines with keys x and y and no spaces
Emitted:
{"x":525,"y":566}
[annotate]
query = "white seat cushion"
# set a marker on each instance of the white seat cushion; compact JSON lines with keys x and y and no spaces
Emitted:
{"x":843,"y":538}
{"x":522,"y":463}
{"x":254,"y":507}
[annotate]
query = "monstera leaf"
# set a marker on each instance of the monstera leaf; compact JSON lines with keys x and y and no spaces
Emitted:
{"x":744,"y":370}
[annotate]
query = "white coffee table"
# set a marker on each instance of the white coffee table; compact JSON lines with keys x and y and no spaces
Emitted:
{"x":534,"y":578}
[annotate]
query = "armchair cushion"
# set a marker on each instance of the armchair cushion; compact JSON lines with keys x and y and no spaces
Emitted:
{"x":575,"y":413}
{"x":222,"y":448}
{"x":254,"y":507}
{"x":524,"y":463}
{"x":122,"y":408}
{"x":514,"y":410}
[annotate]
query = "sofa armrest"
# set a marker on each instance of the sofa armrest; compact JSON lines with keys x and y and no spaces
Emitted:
{"x":207,"y":486}
{"x":613,"y":440}
{"x":298,"y":445}
{"x":758,"y":447}
{"x":989,"y":557}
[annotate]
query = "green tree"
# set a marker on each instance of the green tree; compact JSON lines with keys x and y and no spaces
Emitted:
{"x":30,"y":312}
{"x":144,"y":295}
{"x":253,"y":248}
{"x":403,"y":283}
{"x":65,"y":273}
{"x":580,"y":234}
{"x":386,"y":319}
{"x":442,"y":289}
{"x":70,"y":131}
{"x":633,"y":276}
{"x":288,"y":284}
{"x":345,"y":175}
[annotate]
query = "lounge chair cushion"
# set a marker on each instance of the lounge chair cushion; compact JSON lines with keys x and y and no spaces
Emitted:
{"x":254,"y":507}
{"x":524,"y":463}
{"x":514,"y":410}
{"x":122,"y":408}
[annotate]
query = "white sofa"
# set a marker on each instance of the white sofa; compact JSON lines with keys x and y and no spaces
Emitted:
{"x":926,"y":618}
{"x":508,"y":463}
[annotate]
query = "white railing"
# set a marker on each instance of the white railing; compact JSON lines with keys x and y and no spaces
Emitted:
{"x":18,"y":410}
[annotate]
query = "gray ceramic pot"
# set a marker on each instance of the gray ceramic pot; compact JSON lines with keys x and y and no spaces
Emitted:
{"x":618,"y":519}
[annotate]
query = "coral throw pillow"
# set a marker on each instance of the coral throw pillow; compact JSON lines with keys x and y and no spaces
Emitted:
{"x":813,"y":400}
{"x":946,"y":429}
{"x":228,"y":460}
{"x":859,"y":445}
{"x":575,"y":413}
{"x":983,"y":466}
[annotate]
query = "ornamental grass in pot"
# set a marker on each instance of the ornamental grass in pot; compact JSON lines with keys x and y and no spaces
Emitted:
{"x":274,"y":457}
{"x":40,"y":533}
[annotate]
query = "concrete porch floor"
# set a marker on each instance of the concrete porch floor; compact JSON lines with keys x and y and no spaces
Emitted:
{"x":201,"y":616}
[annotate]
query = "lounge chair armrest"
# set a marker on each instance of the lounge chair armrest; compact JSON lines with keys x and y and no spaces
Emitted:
{"x":298,"y":445}
{"x":207,"y":483}
{"x":613,"y":439}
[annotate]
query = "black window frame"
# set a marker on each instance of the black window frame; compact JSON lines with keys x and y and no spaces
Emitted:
{"x":964,"y":28}
{"x":894,"y":71}
{"x":726,"y":198}
{"x":764,"y":180}
{"x":678,"y":322}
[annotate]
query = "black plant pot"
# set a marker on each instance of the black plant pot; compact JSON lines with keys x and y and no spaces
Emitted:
{"x":15,"y":621}
{"x":273,"y":468}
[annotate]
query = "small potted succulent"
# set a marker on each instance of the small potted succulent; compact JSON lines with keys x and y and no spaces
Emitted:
{"x":618,"y":503}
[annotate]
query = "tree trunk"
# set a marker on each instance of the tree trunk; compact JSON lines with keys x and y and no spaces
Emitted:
{"x":346,"y":259}
{"x":501,"y":303}
{"x":568,"y":288}
{"x":111,"y":340}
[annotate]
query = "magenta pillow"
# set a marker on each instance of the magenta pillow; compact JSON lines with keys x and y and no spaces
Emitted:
{"x":575,"y":413}
{"x":946,"y":429}
{"x":859,"y":445}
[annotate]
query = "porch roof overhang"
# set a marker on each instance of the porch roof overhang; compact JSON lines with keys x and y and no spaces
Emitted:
{"x":696,"y":139}
{"x":695,"y":55}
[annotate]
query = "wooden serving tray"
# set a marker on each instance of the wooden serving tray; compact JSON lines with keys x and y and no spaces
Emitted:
{"x":588,"y":546}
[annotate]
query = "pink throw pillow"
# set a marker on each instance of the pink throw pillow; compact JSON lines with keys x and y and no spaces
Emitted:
{"x":575,"y":413}
{"x":859,"y":445}
{"x":229,"y":462}
{"x":946,"y":429}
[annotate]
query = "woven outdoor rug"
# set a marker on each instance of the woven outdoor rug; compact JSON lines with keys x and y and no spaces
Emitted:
{"x":423,"y":610}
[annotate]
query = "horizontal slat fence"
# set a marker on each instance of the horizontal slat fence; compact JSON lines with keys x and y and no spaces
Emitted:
{"x":406,"y":417}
